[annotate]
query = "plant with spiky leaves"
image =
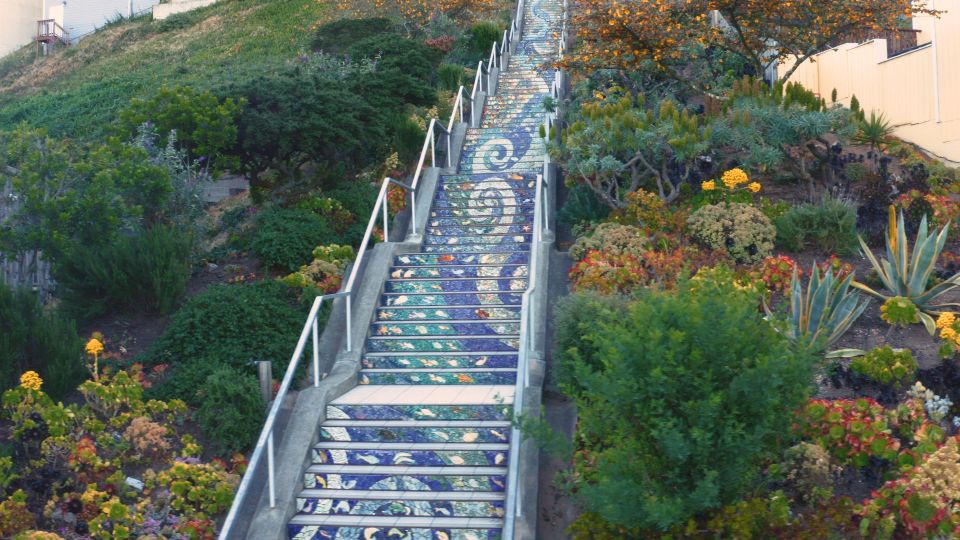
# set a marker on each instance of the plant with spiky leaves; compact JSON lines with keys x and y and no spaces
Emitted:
{"x":822,"y":312}
{"x":906,"y":273}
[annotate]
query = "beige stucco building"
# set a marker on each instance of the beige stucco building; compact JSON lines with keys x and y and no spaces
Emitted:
{"x":18,"y":23}
{"x":918,"y":90}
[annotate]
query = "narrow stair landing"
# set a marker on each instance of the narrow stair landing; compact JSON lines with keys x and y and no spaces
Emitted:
{"x":419,"y":449}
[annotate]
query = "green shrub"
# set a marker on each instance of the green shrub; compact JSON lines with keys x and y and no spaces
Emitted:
{"x":482,"y":37}
{"x":582,"y":207}
{"x":145,"y":272}
{"x":408,"y":138}
{"x":829,"y":226}
{"x":227,"y":325}
{"x":205,"y":125}
{"x":886,"y":365}
{"x":31,"y":339}
{"x":450,"y":76}
{"x":740,"y":229}
{"x":693,"y":394}
{"x":337,"y":36}
{"x":285,"y":238}
{"x":410,"y":57}
{"x":574,"y":317}
{"x":231,"y":409}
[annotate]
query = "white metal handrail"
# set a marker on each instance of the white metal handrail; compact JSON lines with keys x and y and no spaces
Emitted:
{"x":265,"y":442}
{"x":513,"y":508}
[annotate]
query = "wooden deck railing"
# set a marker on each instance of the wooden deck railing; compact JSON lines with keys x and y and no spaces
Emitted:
{"x":48,"y":31}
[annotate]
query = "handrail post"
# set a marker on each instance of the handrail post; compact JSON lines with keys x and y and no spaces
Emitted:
{"x":316,"y":353}
{"x":349,"y":323}
{"x":431,"y":136}
{"x":449,"y":150}
{"x":386,"y":231}
{"x":271,"y":474}
{"x":413,"y":211}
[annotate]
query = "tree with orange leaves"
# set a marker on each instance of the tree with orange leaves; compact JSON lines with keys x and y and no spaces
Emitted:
{"x":673,"y":34}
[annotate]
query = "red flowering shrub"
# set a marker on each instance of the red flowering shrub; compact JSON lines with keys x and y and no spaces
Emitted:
{"x":776,"y":272}
{"x":608,"y":273}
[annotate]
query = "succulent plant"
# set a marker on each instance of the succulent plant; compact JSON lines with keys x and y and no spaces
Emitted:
{"x":907,"y":274}
{"x":822,"y":312}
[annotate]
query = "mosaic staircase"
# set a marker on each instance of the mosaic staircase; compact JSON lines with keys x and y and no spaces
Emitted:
{"x":419,"y":449}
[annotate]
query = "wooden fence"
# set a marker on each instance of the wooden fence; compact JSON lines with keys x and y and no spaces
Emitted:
{"x":26,"y":269}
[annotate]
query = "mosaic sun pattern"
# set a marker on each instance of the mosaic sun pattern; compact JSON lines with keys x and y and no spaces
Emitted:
{"x":448,"y":321}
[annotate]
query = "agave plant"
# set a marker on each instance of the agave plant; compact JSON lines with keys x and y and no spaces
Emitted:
{"x":908,"y":274}
{"x":822,"y":312}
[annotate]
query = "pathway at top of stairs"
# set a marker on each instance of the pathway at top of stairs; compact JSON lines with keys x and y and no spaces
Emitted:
{"x":419,"y":449}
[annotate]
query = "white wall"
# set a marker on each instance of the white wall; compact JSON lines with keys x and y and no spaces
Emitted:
{"x":83,"y":16}
{"x":18,"y":23}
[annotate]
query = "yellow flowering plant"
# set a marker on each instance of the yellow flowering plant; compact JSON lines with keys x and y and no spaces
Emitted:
{"x":31,"y":381}
{"x":733,"y":186}
{"x":948,"y":326}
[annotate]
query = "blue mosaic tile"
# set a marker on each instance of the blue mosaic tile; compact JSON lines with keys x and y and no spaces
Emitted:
{"x":400,"y":482}
{"x":474,"y":248}
{"x":343,"y":411}
{"x":380,"y":507}
{"x":492,"y":361}
{"x":376,"y":344}
{"x":439,"y":377}
{"x":478,"y":328}
{"x":313,"y":532}
{"x":414,"y":434}
{"x":486,"y":259}
{"x":453,"y":299}
{"x":497,"y":221}
{"x":413,"y":458}
{"x":500,"y":214}
{"x":459,"y":272}
{"x":455,"y":285}
{"x":450,"y":314}
{"x":477,"y":240}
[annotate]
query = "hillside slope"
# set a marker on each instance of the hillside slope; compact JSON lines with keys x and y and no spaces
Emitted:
{"x":78,"y":91}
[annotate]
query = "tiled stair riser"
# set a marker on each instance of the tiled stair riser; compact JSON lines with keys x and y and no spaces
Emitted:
{"x":363,"y":433}
{"x":376,"y":507}
{"x":411,"y":481}
{"x":306,"y":532}
{"x":413,"y":458}
{"x":399,"y":363}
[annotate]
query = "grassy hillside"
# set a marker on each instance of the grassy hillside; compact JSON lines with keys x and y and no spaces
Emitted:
{"x":78,"y":91}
